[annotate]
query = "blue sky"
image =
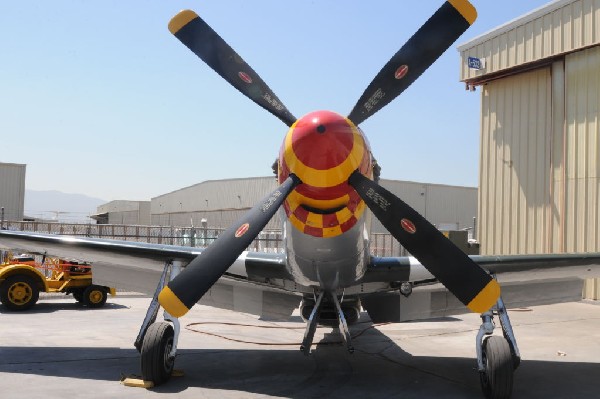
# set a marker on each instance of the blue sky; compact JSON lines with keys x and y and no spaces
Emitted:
{"x":99,"y":98}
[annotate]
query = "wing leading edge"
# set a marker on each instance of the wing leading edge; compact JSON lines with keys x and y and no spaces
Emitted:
{"x":137,"y":266}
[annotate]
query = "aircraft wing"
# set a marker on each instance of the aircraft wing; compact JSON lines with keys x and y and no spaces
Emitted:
{"x":526,"y":280}
{"x":507,"y":268}
{"x":137,"y":266}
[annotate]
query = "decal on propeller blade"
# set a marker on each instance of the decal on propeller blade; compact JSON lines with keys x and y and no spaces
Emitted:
{"x":408,"y":226}
{"x":270,"y":201}
{"x":273,"y":102}
{"x":401,"y":72}
{"x":378,"y":199}
{"x":375,"y":98}
{"x":242,"y":230}
{"x":245,"y":77}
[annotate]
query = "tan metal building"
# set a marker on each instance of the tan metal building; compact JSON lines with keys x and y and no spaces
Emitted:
{"x":221,"y":202}
{"x":539,"y":79}
{"x":123,"y":212}
{"x":12,"y":190}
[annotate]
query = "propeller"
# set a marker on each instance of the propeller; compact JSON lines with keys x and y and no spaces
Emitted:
{"x":199,"y":37}
{"x":465,"y":279}
{"x":421,"y":50}
{"x":472,"y":285}
{"x":198,"y":277}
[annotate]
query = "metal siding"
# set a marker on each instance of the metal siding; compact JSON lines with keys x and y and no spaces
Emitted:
{"x":582,"y":151}
{"x":514,"y":173}
{"x":560,"y":27}
{"x":12,"y":190}
{"x":439,"y":204}
{"x":215,"y":194}
{"x":557,"y":169}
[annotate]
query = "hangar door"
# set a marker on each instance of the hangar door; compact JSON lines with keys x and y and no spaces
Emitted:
{"x":581,"y":208}
{"x":514,"y":179}
{"x":540,"y":159}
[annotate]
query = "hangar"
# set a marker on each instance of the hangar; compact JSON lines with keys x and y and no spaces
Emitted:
{"x":539,"y":148}
{"x":12,"y":190}
{"x":219,"y":203}
{"x":539,"y":187}
{"x":123,"y":212}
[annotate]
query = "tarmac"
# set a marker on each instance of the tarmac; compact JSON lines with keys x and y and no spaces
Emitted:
{"x":60,"y":349}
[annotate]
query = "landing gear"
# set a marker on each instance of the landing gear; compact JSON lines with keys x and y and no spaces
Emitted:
{"x":157,"y":362}
{"x":157,"y":342}
{"x":317,"y":310}
{"x":497,"y":379}
{"x":497,"y":357}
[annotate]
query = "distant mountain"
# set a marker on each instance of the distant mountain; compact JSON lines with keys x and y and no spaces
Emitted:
{"x":56,"y":205}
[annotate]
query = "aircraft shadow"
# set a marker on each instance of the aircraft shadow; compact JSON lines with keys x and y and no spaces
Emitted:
{"x":378,"y":368}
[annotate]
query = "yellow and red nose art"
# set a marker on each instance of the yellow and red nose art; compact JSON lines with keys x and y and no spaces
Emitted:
{"x":323,"y":148}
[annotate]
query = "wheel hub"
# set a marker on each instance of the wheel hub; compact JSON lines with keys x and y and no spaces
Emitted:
{"x":19,"y":293}
{"x":95,"y":296}
{"x":168,"y":360}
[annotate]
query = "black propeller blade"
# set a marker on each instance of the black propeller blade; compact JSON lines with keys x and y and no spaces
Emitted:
{"x":188,"y":27}
{"x":200,"y":274}
{"x":421,"y":50}
{"x":472,"y":285}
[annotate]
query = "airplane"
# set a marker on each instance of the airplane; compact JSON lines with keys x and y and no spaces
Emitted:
{"x":328,"y":191}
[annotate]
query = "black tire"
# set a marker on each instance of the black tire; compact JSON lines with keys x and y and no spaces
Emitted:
{"x":78,"y":295}
{"x":94,"y":296}
{"x":497,"y":380}
{"x":19,"y":292}
{"x":158,"y":342}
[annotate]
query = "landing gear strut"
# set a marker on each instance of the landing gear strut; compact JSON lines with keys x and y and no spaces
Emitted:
{"x":313,"y":320}
{"x":157,"y":342}
{"x":497,"y":357}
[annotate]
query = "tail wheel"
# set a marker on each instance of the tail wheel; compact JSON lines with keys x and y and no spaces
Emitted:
{"x":157,"y":364}
{"x":94,"y":296}
{"x":497,"y":380}
{"x":19,"y":292}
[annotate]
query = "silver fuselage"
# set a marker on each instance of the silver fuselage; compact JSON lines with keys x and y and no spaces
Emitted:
{"x":328,"y":263}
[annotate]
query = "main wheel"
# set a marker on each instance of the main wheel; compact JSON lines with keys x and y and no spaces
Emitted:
{"x":94,"y":296}
{"x":19,"y":292}
{"x":497,"y":379}
{"x":157,"y":366}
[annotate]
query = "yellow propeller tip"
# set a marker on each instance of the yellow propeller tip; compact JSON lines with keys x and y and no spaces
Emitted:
{"x":180,"y":20}
{"x":465,"y":9}
{"x":486,"y":298}
{"x":171,"y":303}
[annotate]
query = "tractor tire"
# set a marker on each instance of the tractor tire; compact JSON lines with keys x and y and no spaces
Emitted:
{"x":19,"y":292}
{"x":78,"y":295}
{"x":94,"y":296}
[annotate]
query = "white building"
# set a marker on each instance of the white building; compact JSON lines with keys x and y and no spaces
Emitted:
{"x":12,"y":190}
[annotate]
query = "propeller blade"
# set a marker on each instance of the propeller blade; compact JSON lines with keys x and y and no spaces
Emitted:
{"x":192,"y":31}
{"x":198,"y":277}
{"x":472,"y":285}
{"x":421,"y":50}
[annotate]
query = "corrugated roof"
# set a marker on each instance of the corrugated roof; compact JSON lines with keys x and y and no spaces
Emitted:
{"x":532,"y":40}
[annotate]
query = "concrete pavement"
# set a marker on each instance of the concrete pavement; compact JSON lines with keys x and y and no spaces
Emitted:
{"x":61,"y":349}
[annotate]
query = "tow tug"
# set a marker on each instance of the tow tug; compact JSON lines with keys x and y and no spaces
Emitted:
{"x":22,"y":279}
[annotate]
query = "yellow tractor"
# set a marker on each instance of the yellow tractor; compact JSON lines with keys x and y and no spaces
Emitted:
{"x":22,"y":279}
